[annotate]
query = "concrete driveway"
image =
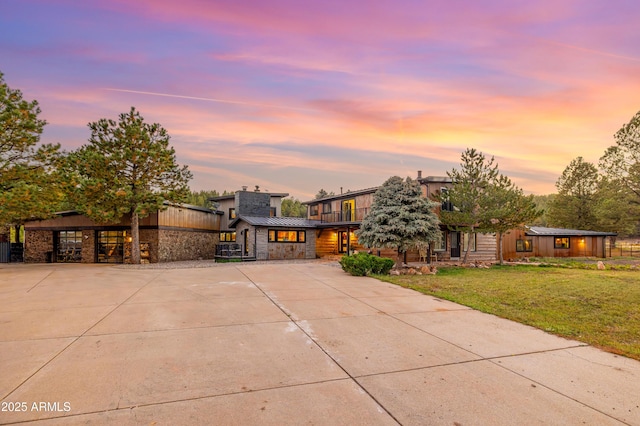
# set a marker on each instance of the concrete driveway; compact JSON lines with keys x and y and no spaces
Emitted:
{"x":283,"y":343}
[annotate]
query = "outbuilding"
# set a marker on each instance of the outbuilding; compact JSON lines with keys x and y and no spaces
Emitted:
{"x":180,"y":232}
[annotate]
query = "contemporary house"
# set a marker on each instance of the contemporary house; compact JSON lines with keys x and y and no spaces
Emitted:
{"x":181,"y":232}
{"x":248,"y":225}
{"x":536,"y":241}
{"x":252,"y":228}
{"x":340,"y":216}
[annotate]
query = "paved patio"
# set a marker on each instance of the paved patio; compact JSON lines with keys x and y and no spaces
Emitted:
{"x":283,"y":343}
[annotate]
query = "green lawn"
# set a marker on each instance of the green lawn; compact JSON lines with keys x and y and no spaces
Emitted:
{"x":601,"y":308}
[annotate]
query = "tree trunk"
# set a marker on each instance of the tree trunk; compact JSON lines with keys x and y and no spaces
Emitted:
{"x":399,"y":260}
{"x":135,"y":238}
{"x":465,"y":259}
{"x":500,"y":255}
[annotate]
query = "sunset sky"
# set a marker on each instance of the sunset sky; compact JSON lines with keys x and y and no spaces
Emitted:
{"x":295,"y":95}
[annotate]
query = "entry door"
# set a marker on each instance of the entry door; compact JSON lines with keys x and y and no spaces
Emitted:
{"x":343,"y":240}
{"x":348,"y":210}
{"x":455,"y":244}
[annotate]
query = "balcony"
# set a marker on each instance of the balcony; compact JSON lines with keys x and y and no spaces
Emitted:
{"x":346,"y":216}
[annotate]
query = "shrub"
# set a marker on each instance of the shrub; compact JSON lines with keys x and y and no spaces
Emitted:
{"x":362,"y":264}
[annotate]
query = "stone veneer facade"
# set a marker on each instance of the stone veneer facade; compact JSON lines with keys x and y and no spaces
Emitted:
{"x":174,"y":245}
{"x":164,"y":245}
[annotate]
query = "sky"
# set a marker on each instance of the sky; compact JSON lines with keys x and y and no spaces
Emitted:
{"x":295,"y":96}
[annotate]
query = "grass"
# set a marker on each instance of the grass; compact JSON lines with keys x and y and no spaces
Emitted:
{"x":601,"y":308}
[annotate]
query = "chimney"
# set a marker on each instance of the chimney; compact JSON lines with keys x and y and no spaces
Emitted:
{"x":419,"y":174}
{"x":244,"y":188}
{"x":257,"y":189}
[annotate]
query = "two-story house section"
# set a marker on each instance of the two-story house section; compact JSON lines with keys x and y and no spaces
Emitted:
{"x":242,"y":202}
{"x":339,"y":216}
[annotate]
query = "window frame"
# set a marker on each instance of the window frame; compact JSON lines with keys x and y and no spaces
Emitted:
{"x":443,"y":242}
{"x":273,"y":236}
{"x":313,"y":210}
{"x":232,"y":213}
{"x":466,"y":237}
{"x":562,"y":245}
{"x":227,"y":236}
{"x":524,"y":245}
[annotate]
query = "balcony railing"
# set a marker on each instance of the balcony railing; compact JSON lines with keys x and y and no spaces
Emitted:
{"x":355,"y":215}
{"x":228,"y":250}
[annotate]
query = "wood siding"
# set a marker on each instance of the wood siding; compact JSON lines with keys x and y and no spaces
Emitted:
{"x":543,"y":246}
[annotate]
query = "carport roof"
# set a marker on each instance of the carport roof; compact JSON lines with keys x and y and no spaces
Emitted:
{"x":540,"y":230}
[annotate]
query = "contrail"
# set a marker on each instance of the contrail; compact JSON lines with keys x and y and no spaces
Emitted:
{"x":596,"y":52}
{"x":223,"y":101}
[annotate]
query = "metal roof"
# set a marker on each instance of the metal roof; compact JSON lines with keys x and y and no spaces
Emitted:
{"x":233,"y":196}
{"x":540,"y":230}
{"x":347,"y":194}
{"x":278,"y":222}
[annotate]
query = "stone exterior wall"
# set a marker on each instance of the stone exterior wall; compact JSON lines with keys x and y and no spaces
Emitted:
{"x":36,"y":246}
{"x":88,"y":246}
{"x":183,"y":245}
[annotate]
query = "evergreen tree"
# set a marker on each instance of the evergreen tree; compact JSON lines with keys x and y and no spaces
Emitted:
{"x":575,"y":205}
{"x":29,"y":185}
{"x":127,"y":168}
{"x":201,"y":198}
{"x":400,"y":217}
{"x":621,"y":165}
{"x":506,"y":208}
{"x":468,"y":194}
{"x":292,"y":207}
{"x":322,"y":193}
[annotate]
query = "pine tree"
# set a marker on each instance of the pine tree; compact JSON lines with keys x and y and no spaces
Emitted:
{"x":127,"y":168}
{"x":506,"y":208}
{"x":575,"y":205}
{"x":400,"y":217}
{"x":470,"y":187}
{"x":29,"y":186}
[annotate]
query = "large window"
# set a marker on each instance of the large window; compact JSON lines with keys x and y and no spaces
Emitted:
{"x":278,"y":236}
{"x":524,"y":245}
{"x":349,"y":210}
{"x":313,"y":210}
{"x":469,"y":240}
{"x":69,"y":246}
{"x":228,"y":237}
{"x":561,"y":242}
{"x":442,"y":244}
{"x":111,"y":246}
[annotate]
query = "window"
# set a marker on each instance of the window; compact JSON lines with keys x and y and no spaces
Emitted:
{"x":272,"y":211}
{"x":524,"y":245}
{"x":313,"y":210}
{"x":111,"y":246}
{"x":561,"y":242}
{"x":277,"y":236}
{"x":227,"y":237}
{"x":232,"y":213}
{"x":349,"y":210}
{"x":446,"y":204}
{"x":442,"y":244}
{"x":69,"y":246}
{"x":326,"y":207}
{"x":469,"y":239}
